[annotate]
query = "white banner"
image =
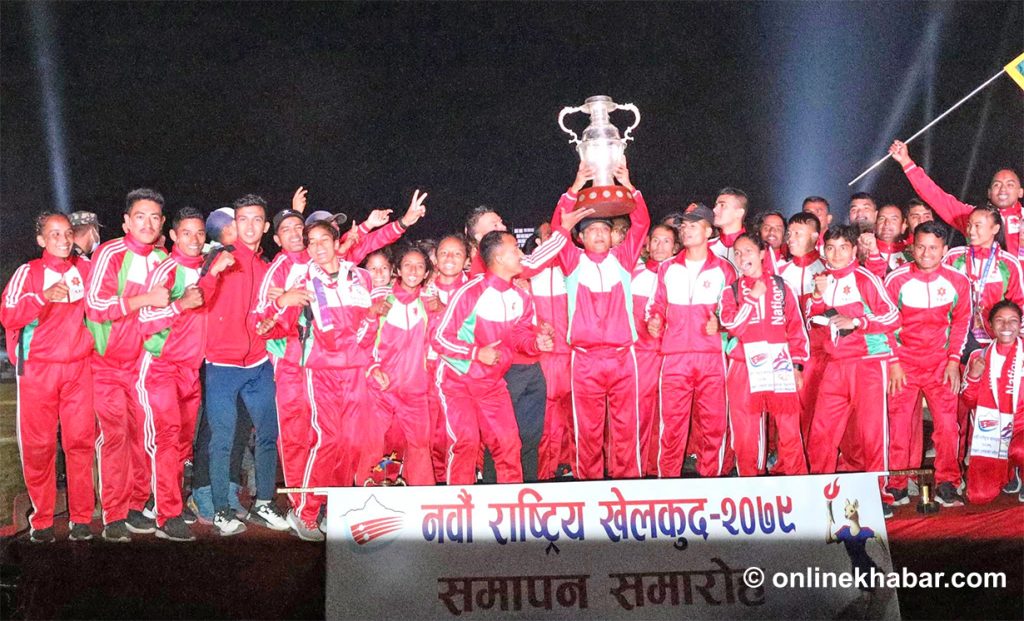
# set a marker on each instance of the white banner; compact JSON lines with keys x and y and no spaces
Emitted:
{"x":645,"y":549}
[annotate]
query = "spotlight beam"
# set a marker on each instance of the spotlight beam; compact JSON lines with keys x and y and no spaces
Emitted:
{"x":46,"y":64}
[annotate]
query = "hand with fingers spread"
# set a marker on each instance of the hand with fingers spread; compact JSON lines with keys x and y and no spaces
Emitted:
{"x":897,"y":378}
{"x":349,"y":240}
{"x":570,"y":218}
{"x":377,"y":218}
{"x":299,"y":199}
{"x":416,"y":209}
{"x":489,"y":354}
{"x":621,"y":173}
{"x":951,"y":376}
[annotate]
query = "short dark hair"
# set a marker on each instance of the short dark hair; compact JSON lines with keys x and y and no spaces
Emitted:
{"x":673,"y":219}
{"x":865,"y":196}
{"x":903,"y":212}
{"x":459,"y":237}
{"x":805,"y":217}
{"x":46,"y":215}
{"x":752,"y":238}
{"x":621,"y":222}
{"x":490,"y":243}
{"x":326,"y":225}
{"x":250,"y":200}
{"x":1000,"y":305}
{"x":933,"y":227}
{"x":673,"y":231}
{"x":815,"y":199}
{"x":474,"y":217}
{"x":738,"y":193}
{"x":764,"y":215}
{"x":845,"y":232}
{"x":143,"y":194}
{"x":187,"y":213}
{"x":410,"y":249}
{"x":380,"y":252}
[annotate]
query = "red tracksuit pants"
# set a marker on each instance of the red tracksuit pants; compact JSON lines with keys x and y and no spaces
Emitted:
{"x":747,"y":426}
{"x":124,"y":467}
{"x":49,"y":392}
{"x":813,"y":370}
{"x":852,"y":404}
{"x":692,"y":382}
{"x":905,"y":424}
{"x":556,"y":443}
{"x":648,"y":365}
{"x":604,"y":381}
{"x":295,"y":431}
{"x":168,"y":398}
{"x":439,"y":435}
{"x":406,"y":412}
{"x":478,"y":411}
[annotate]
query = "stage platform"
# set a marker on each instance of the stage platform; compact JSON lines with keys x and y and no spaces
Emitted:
{"x":262,"y":574}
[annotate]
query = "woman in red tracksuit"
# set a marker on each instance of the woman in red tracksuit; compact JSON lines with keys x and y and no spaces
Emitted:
{"x":449,"y":274}
{"x":329,"y":329}
{"x":992,"y":387}
{"x":399,"y":381}
{"x":768,"y":349}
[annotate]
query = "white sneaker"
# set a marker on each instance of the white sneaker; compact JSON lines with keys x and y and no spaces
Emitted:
{"x":264,"y":513}
{"x":305,"y":532}
{"x":227,"y":523}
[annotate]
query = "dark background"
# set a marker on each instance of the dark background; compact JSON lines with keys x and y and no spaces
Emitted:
{"x":362,"y":103}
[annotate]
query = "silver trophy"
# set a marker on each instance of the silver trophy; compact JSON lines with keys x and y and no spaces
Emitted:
{"x":602,"y":148}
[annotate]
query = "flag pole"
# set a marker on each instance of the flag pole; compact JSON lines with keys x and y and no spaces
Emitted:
{"x":925,"y":128}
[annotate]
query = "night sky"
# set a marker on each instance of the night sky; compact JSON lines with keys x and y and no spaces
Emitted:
{"x":362,"y":103}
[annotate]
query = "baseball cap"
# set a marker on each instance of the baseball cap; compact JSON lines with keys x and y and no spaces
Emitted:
{"x":316,"y":216}
{"x":84,"y":217}
{"x":283,"y":215}
{"x":699,"y":213}
{"x":585,"y":222}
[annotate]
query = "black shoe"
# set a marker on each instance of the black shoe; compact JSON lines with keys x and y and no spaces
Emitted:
{"x":43,"y":535}
{"x":139,"y":524}
{"x":1013,"y":486}
{"x":187,"y":515}
{"x":175,"y":529}
{"x":79,"y":532}
{"x":947,"y":496}
{"x":116,"y":532}
{"x":150,"y":509}
{"x":900,"y":496}
{"x":887,"y":510}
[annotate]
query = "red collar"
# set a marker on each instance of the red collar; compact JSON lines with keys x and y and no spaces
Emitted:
{"x":403,"y":296}
{"x":846,"y":271}
{"x":136,"y":246}
{"x":458,"y":282}
{"x":498,"y":283}
{"x":300,"y":258}
{"x":807,"y":259}
{"x":183,"y":259}
{"x":57,"y":264}
{"x":979,"y":252}
{"x":891,"y":247}
{"x":652,"y":265}
{"x":728,"y":239}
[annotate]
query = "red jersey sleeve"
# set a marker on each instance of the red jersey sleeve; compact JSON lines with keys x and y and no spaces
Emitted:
{"x":102,"y":302}
{"x":22,"y":304}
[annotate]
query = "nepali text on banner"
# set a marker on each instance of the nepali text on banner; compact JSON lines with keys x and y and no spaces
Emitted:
{"x":604,"y":550}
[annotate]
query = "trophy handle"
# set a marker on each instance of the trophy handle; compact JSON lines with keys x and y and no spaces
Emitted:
{"x":561,"y":122}
{"x":630,"y":107}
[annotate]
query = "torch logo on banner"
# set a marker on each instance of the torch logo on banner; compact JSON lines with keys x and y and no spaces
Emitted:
{"x":373,"y":524}
{"x":831,"y":492}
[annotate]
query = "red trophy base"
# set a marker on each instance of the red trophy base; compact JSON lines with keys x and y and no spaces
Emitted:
{"x":606,"y":200}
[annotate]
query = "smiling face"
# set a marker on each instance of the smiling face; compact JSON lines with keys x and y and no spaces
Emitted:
{"x":380,"y":270}
{"x":1005,"y":189}
{"x":748,"y":258}
{"x":918,"y":214}
{"x":839,"y":253}
{"x":57,"y":238}
{"x":451,"y":257}
{"x":863,"y":211}
{"x":1006,"y":325}
{"x":412,"y":270}
{"x":189,"y":236}
{"x":890,"y":225}
{"x":820,"y":211}
{"x":144,"y":221}
{"x":801,"y":238}
{"x":251,"y":223}
{"x":928,"y":251}
{"x":289,"y":235}
{"x":773,"y":229}
{"x":981,"y":229}
{"x":323,"y":248}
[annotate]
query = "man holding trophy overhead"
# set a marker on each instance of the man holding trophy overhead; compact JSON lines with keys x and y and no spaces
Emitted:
{"x":601,"y":328}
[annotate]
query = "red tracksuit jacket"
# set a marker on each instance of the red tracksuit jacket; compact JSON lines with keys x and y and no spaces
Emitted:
{"x":230,"y":313}
{"x":956,"y":213}
{"x":890,"y":255}
{"x":935,"y":313}
{"x":121,"y":268}
{"x":400,"y":346}
{"x":598,"y":287}
{"x":687,"y":306}
{"x":285,"y":270}
{"x":644,"y":286}
{"x":774,"y":318}
{"x":485,"y":310}
{"x":857,"y":293}
{"x":551,"y":302}
{"x":799,"y":273}
{"x":1003,"y":280}
{"x":722,"y":245}
{"x":38,"y":329}
{"x":173,"y":334}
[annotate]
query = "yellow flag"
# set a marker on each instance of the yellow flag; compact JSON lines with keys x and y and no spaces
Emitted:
{"x":1016,"y":70}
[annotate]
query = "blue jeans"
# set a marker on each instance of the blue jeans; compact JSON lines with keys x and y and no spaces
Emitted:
{"x":224,"y":385}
